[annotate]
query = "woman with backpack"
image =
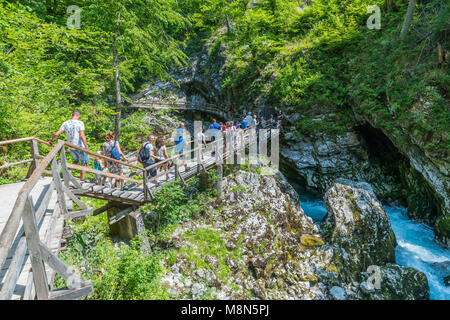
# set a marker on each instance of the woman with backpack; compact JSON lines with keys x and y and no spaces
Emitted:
{"x":111,"y":149}
{"x":145,"y":155}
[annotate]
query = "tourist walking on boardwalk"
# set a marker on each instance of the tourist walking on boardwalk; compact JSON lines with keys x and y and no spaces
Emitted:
{"x":244,"y":124}
{"x":146,"y":155}
{"x":180,"y":131}
{"x":74,"y":129}
{"x":262,"y":123}
{"x":215,"y":128}
{"x":111,"y":148}
{"x":161,"y":155}
{"x":201,"y":140}
{"x":249,"y":119}
{"x":255,"y":121}
{"x":98,"y":165}
{"x":179,"y":148}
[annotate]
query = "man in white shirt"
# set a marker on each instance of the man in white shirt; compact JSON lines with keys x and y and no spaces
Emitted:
{"x":74,"y":129}
{"x":201,"y":140}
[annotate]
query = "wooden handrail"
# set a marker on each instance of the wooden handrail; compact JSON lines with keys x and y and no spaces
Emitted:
{"x":12,"y":225}
{"x":102,"y":173}
{"x":7,"y":165}
{"x":2,"y":143}
{"x":23,"y":140}
{"x":102,"y":156}
{"x":246,"y":134}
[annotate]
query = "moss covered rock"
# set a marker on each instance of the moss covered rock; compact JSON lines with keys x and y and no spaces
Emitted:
{"x":311,"y":241}
{"x":359,"y":226}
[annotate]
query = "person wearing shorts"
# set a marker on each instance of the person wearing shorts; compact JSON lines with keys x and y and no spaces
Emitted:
{"x":179,"y":147}
{"x":74,"y":129}
{"x":113,"y":167}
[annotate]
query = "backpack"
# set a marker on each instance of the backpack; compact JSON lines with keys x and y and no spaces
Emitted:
{"x":142,"y":154}
{"x":115,"y":153}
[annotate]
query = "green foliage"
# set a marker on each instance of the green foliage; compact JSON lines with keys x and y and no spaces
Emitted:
{"x":123,"y":272}
{"x":172,"y":205}
{"x":207,"y":242}
{"x":117,"y":273}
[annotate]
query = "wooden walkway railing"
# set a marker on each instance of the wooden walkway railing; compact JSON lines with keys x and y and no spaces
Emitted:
{"x":23,"y":211}
{"x":69,"y":186}
{"x":204,"y":107}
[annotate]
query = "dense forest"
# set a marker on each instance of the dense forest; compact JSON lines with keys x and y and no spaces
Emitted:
{"x":384,"y":61}
{"x":295,"y":52}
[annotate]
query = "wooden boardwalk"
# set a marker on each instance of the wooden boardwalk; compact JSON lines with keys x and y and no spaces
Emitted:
{"x":135,"y":194}
{"x":50,"y":231}
{"x":32,"y":213}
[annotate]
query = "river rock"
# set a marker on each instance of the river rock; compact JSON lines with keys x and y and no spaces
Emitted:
{"x":359,"y":226}
{"x":395,"y":282}
{"x":256,"y":243}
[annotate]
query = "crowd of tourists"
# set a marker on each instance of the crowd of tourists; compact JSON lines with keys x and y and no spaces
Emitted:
{"x":154,"y":150}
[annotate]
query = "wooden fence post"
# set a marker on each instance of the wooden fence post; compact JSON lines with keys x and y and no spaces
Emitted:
{"x":145,"y":179}
{"x":65,"y":171}
{"x":177,"y":172}
{"x":37,"y":264}
{"x":34,"y":155}
{"x":59,"y":188}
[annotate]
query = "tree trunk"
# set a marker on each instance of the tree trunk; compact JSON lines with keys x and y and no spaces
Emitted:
{"x":408,"y":18}
{"x":117,"y":84}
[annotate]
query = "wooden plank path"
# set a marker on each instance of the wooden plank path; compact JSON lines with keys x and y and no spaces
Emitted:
{"x":50,"y":231}
{"x":32,"y":213}
{"x":136,"y":194}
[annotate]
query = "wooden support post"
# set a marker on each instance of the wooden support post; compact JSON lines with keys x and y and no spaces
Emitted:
{"x":65,"y":171}
{"x":34,"y":155}
{"x":140,"y":228}
{"x":145,"y":187}
{"x":125,"y":228}
{"x":74,"y":198}
{"x":199,"y":158}
{"x":59,"y":187}
{"x":32,"y":238}
{"x":177,"y":172}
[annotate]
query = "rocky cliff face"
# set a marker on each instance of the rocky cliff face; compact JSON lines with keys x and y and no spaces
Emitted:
{"x":198,"y":83}
{"x":319,"y":158}
{"x":257,"y":243}
{"x":427,"y":174}
{"x":396,"y":172}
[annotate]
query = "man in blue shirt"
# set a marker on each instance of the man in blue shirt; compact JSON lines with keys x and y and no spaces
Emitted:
{"x":215,"y":128}
{"x":244,"y":124}
{"x":179,"y":148}
{"x":180,"y":131}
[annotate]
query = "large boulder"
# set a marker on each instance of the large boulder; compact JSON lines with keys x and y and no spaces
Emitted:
{"x":358,"y":225}
{"x":395,"y":283}
{"x":256,"y":243}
